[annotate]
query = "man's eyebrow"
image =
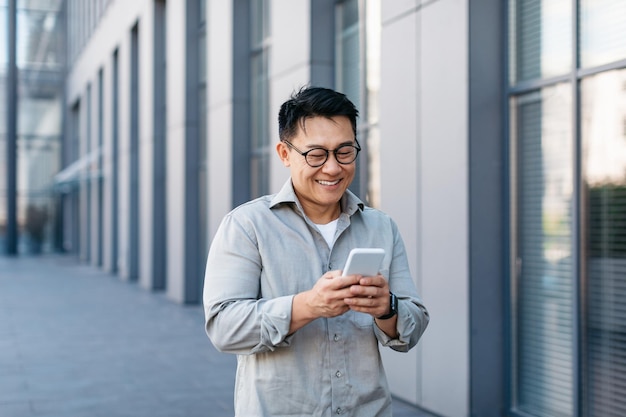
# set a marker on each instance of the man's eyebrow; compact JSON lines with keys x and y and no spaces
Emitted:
{"x":346,"y":142}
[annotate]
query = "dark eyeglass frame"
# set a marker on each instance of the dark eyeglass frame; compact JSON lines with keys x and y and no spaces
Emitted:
{"x":357,"y":146}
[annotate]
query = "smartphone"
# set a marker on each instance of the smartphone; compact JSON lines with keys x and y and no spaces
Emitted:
{"x":364,"y":261}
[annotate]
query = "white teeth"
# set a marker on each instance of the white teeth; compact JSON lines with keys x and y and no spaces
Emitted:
{"x":328,"y":182}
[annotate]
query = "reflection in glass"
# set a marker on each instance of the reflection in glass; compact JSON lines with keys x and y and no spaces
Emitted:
{"x":259,"y":98}
{"x":544,"y":284}
{"x":602,"y":32}
{"x":3,"y":126}
{"x":357,"y":75}
{"x":540,"y":39}
{"x":40,"y":62}
{"x":348,"y":51}
{"x":604,"y":200}
{"x":203,"y":192}
{"x":4,"y":53}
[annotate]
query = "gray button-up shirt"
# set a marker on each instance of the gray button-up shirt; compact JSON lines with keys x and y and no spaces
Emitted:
{"x":266,"y":251}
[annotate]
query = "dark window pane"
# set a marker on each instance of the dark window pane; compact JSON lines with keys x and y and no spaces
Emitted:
{"x":604,"y":161}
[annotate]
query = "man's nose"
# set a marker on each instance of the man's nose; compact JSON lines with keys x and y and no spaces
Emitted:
{"x":331,"y":164}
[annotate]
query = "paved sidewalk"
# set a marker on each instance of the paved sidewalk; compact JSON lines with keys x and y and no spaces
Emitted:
{"x":77,"y":342}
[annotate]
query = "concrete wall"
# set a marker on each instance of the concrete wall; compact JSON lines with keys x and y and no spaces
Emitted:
{"x":146,"y":145}
{"x":107,"y":167}
{"x":290,"y":67}
{"x":113,"y":31}
{"x":220,"y":104}
{"x":445,"y":228}
{"x":176,"y":160}
{"x":424,"y":114}
{"x":400,"y":129}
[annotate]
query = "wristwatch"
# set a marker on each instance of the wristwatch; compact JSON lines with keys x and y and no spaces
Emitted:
{"x":393,"y":307}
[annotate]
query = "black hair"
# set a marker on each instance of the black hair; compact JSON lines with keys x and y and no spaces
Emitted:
{"x":311,"y":102}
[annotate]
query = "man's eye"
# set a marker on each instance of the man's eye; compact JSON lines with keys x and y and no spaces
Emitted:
{"x":345,"y":153}
{"x":317,"y":155}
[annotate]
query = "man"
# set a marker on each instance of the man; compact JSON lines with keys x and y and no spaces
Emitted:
{"x":306,"y":337}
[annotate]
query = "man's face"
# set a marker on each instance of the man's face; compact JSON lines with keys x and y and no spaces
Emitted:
{"x":319,"y":189}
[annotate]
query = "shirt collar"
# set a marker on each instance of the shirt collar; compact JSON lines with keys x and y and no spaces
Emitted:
{"x":350,"y":203}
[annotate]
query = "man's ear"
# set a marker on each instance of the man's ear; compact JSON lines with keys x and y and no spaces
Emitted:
{"x":283,"y":153}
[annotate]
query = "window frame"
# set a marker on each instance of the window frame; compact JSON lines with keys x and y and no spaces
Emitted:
{"x":513,"y":88}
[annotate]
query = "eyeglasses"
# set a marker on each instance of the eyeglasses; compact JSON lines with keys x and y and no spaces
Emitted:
{"x":316,"y":157}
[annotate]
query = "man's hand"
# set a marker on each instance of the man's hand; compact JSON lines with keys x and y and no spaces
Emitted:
{"x":325,"y":299}
{"x":370,"y":296}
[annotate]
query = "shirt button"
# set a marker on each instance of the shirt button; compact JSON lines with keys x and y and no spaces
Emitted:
{"x":338,"y":374}
{"x":339,"y":410}
{"x":336,"y":338}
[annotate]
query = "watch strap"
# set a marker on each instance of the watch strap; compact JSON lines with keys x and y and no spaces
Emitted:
{"x":393,"y":307}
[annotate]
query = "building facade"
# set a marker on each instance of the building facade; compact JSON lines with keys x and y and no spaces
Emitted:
{"x":494,"y":133}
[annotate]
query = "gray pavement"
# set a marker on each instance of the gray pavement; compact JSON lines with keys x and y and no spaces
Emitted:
{"x":77,"y":342}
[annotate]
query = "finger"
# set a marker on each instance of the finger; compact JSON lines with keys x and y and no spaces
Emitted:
{"x":377,"y":281}
{"x":371,"y":306}
{"x":360,"y":303}
{"x":366,"y":291}
{"x":345,"y":282}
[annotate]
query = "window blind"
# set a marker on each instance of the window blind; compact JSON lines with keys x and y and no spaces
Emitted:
{"x":544,"y":337}
{"x":542,"y":34}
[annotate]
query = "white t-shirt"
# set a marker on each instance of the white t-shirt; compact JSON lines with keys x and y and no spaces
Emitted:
{"x":328,"y":231}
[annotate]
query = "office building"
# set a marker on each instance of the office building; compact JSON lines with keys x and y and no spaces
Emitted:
{"x":494,"y":133}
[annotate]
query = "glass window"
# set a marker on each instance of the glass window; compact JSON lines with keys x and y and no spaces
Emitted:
{"x":114,"y":161}
{"x":133,"y":184}
{"x":357,"y":56}
{"x":348,"y":51}
{"x":202,"y":11}
{"x":39,"y":125}
{"x":603,"y":108}
{"x":39,"y":115}
{"x":39,"y":39}
{"x":3,"y":122}
{"x":71,"y":209}
{"x":569,"y":211}
{"x":602,"y":31}
{"x":544,"y":285}
{"x":541,"y":39}
{"x":202,"y":135}
{"x":259,"y":98}
{"x":99,"y":181}
{"x":4,"y":53}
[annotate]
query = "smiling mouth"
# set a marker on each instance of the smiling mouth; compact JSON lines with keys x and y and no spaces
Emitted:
{"x":321,"y":182}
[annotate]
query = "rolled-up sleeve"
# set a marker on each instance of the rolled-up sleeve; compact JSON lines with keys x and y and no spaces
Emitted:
{"x":413,"y":316}
{"x":237,"y":320}
{"x":412,"y":321}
